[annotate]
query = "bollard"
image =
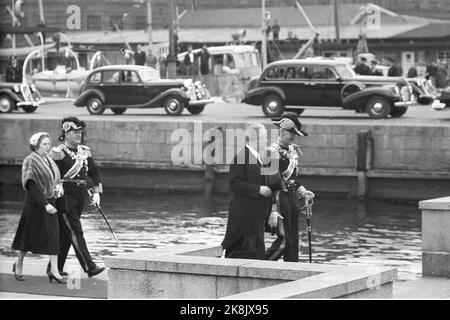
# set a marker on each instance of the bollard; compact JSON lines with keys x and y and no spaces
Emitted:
{"x":364,"y":158}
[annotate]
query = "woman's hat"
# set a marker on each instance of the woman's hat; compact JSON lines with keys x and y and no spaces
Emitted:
{"x":34,"y":140}
{"x":289,"y":122}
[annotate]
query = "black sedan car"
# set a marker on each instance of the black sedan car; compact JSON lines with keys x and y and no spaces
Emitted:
{"x":14,"y":95}
{"x":297,"y":84}
{"x":119,"y":87}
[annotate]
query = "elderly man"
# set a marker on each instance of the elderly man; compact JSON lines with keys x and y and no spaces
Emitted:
{"x":250,"y":200}
{"x":283,"y":219}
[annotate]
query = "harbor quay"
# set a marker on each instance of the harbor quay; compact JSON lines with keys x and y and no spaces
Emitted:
{"x":370,"y":159}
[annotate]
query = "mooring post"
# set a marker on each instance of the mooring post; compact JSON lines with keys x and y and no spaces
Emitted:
{"x":364,"y":158}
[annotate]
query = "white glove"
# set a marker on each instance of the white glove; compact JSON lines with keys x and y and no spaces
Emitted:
{"x":273,"y":218}
{"x":265,"y":191}
{"x":303,"y":193}
{"x":50,"y":209}
{"x":59,"y":191}
{"x":96,"y":198}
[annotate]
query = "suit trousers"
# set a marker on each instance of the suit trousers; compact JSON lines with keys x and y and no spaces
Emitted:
{"x":72,"y":231}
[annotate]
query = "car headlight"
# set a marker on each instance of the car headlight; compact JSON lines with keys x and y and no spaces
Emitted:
{"x":17,"y":88}
{"x":397,"y":90}
{"x":405,"y":93}
{"x":33,"y":88}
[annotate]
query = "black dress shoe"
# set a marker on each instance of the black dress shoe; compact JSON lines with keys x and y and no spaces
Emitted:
{"x":93,"y":272}
{"x":62,"y":273}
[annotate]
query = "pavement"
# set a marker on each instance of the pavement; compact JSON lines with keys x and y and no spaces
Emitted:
{"x":220,"y":111}
{"x":37,"y":285}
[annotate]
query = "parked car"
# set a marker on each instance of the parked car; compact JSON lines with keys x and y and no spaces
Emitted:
{"x":14,"y":95}
{"x":297,"y":84}
{"x":120,"y":87}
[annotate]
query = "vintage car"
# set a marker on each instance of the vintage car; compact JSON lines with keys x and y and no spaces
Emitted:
{"x":297,"y":84}
{"x":14,"y":95}
{"x":120,"y":87}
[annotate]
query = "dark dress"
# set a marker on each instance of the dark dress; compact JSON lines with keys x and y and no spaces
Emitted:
{"x":38,"y":231}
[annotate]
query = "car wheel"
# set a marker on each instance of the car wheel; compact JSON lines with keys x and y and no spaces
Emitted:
{"x":118,"y":110}
{"x":173,"y":105}
{"x":6,"y":104}
{"x":351,"y":88}
{"x":29,"y":109}
{"x":398,"y":111}
{"x":95,"y":105}
{"x":378,"y":107}
{"x":272,"y":106}
{"x":196,"y":109}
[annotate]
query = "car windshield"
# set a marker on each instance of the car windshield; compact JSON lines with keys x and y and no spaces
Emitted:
{"x":148,"y":73}
{"x":345,"y":71}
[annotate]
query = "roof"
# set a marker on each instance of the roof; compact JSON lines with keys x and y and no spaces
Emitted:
{"x":320,"y":15}
{"x":437,"y":30}
{"x":311,"y":62}
{"x":122,"y":66}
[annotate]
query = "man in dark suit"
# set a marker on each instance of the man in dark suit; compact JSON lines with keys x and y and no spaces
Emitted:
{"x":250,"y":200}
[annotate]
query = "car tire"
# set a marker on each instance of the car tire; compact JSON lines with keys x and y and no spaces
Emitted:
{"x":6,"y":104}
{"x":95,"y":106}
{"x":29,"y":109}
{"x":196,"y":109}
{"x":378,"y":107}
{"x":118,"y":110}
{"x":397,"y":112}
{"x":273,"y":106}
{"x":351,"y":88}
{"x":173,"y":105}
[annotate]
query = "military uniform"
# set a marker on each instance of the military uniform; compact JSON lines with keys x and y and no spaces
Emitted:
{"x":79,"y":172}
{"x":285,"y":202}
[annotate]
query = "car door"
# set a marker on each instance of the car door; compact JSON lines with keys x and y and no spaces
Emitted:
{"x":131,"y":88}
{"x":325,"y":86}
{"x":298,"y":91}
{"x":110,"y":84}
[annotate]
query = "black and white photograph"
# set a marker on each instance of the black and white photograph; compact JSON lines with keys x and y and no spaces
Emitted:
{"x":225,"y":155}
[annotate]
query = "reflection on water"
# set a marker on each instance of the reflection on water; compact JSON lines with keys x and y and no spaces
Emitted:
{"x":344,"y":231}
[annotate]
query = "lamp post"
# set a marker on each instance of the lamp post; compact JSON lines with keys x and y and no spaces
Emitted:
{"x":149,"y":23}
{"x":171,"y":59}
{"x":264,"y":33}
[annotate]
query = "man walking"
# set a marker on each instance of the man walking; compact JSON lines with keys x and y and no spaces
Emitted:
{"x":250,"y":200}
{"x":77,"y":166}
{"x":283,"y":219}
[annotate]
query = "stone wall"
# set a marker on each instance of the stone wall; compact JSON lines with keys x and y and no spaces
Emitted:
{"x":408,"y":155}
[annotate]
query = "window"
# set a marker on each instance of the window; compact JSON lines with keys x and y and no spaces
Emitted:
{"x":275,"y":73}
{"x":130,"y":77}
{"x":140,"y":22}
{"x":116,"y":20}
{"x":295,"y":73}
{"x":320,"y":72}
{"x":444,"y":55}
{"x":94,"y":22}
{"x":96,"y":78}
{"x":111,"y":76}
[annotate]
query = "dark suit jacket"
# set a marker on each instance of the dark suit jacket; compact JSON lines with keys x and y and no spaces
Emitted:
{"x":247,"y":206}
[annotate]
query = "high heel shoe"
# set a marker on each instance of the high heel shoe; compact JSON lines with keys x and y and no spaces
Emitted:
{"x":19,"y":277}
{"x":52,"y":277}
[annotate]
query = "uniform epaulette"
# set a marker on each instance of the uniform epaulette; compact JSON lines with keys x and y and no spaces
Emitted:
{"x":297,"y":148}
{"x":56,"y":153}
{"x":86,"y":149}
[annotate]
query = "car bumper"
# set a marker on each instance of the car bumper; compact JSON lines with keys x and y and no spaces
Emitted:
{"x":200,"y":102}
{"x":28,"y":103}
{"x":403,"y":103}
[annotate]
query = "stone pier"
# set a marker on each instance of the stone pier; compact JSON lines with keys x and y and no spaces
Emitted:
{"x":436,"y":237}
{"x":198,"y":272}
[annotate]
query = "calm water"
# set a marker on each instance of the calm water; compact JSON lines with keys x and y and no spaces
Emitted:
{"x":344,"y":231}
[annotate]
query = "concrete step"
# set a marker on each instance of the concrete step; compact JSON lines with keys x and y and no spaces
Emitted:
{"x":424,"y":288}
